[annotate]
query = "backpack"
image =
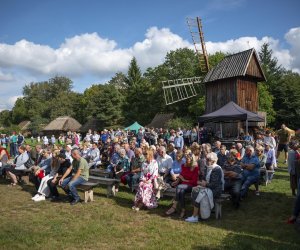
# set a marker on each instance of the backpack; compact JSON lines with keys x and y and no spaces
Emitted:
{"x":20,"y":139}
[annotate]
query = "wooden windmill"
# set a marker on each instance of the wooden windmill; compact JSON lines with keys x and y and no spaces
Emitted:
{"x":180,"y":89}
{"x":234,"y":79}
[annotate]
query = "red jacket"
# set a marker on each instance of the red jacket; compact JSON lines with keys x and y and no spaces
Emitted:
{"x":191,"y":176}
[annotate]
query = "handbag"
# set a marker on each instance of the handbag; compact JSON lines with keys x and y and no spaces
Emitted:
{"x":176,"y":182}
{"x":29,"y":163}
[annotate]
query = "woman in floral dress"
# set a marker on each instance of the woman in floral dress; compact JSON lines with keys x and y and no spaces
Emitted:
{"x":145,"y":195}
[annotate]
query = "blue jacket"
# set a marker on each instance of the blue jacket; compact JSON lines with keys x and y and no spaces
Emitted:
{"x":251,"y":160}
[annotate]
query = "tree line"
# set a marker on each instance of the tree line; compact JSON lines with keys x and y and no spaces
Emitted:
{"x":137,"y":96}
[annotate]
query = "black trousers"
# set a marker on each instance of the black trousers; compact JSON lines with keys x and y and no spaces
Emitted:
{"x":53,"y":188}
{"x":181,"y":190}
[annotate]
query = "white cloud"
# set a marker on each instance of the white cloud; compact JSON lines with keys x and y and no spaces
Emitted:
{"x":26,"y":55}
{"x":293,"y":38}
{"x":8,"y":103}
{"x":243,"y":43}
{"x":90,"y":55}
{"x":11,"y":101}
{"x":158,"y":42}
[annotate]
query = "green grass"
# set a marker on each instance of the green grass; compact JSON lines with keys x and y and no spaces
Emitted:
{"x":109,"y":223}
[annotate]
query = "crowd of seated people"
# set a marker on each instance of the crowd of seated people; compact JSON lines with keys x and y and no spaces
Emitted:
{"x":146,"y":160}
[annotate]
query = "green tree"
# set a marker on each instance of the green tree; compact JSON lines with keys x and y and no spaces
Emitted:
{"x":155,"y":76}
{"x":198,"y":108}
{"x":178,"y":122}
{"x":104,"y":101}
{"x":265,"y":100}
{"x":91,"y":100}
{"x":214,"y":59}
{"x":47,"y":100}
{"x":270,"y":66}
{"x":119,"y":81}
{"x":287,"y":102}
{"x":134,"y":75}
{"x":181,"y":63}
{"x":63,"y":105}
{"x":137,"y":104}
{"x":110,"y":110}
{"x":19,"y":111}
{"x":37,"y":125}
{"x":5,"y":118}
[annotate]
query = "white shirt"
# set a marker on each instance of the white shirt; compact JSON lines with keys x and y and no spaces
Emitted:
{"x":87,"y":138}
{"x":96,"y":138}
{"x":45,"y":140}
{"x":94,"y":153}
{"x":270,"y":140}
{"x":164,"y":163}
{"x":69,"y":156}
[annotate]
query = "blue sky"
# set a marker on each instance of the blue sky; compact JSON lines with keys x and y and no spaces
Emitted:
{"x":89,"y":41}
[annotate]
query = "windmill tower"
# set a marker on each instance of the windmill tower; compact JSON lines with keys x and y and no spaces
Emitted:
{"x":181,"y":89}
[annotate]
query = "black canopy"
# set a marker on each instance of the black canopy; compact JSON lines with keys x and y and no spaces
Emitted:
{"x":230,"y":112}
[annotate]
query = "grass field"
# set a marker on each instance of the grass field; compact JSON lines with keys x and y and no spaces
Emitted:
{"x":109,"y":223}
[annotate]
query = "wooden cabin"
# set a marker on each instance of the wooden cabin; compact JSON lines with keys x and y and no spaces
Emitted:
{"x":234,"y":79}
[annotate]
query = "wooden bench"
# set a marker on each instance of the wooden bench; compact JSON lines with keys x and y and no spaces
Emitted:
{"x":88,"y":190}
{"x":264,"y":174}
{"x":171,"y":192}
{"x":100,"y":172}
{"x":218,"y":204}
{"x":95,"y":181}
{"x":110,"y":183}
{"x":20,"y":173}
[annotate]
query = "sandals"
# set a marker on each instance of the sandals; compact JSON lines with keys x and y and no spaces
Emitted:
{"x":182,"y":214}
{"x":12,"y":184}
{"x":172,"y":210}
{"x":134,"y":208}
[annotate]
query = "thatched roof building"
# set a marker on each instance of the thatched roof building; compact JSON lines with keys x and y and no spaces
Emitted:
{"x":62,"y":124}
{"x":24,"y":125}
{"x":94,"y":124}
{"x":160,"y":120}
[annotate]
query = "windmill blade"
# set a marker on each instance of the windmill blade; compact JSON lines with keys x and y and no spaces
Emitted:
{"x":195,"y":27}
{"x":180,"y":89}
